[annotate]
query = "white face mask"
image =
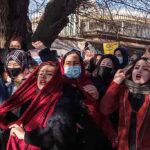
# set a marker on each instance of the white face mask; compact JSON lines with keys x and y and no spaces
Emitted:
{"x":120,"y":59}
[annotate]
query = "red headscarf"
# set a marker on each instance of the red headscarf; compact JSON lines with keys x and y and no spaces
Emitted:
{"x":80,"y":82}
{"x":91,"y":104}
{"x":42,"y":106}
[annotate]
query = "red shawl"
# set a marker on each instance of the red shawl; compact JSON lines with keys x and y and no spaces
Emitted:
{"x":90,"y":103}
{"x":42,"y":106}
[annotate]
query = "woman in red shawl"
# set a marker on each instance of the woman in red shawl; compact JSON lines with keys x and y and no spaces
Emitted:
{"x":80,"y":109}
{"x":130,"y":92}
{"x":78,"y":87}
{"x":76,"y":108}
{"x":40,"y":91}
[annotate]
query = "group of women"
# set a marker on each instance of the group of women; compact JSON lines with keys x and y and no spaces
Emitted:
{"x":58,"y":106}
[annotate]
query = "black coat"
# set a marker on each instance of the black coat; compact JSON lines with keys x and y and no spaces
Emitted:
{"x":62,"y":131}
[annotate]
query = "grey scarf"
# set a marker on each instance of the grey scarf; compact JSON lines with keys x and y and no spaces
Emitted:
{"x":135,"y":88}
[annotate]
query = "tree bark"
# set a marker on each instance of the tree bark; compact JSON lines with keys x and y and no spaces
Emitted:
{"x":54,"y":19}
{"x":3,"y":21}
{"x":13,"y":20}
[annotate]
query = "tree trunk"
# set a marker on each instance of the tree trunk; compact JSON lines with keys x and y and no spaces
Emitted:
{"x":54,"y":20}
{"x":3,"y":21}
{"x":13,"y":20}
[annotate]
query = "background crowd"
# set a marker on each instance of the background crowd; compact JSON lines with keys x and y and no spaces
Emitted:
{"x":80,"y":101}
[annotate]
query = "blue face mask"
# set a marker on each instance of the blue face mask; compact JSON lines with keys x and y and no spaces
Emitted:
{"x":72,"y":72}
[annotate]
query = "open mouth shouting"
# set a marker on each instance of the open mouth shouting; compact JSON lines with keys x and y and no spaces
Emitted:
{"x":43,"y":82}
{"x":138,"y":77}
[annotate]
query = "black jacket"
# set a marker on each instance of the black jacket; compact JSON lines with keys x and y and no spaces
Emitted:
{"x":62,"y":132}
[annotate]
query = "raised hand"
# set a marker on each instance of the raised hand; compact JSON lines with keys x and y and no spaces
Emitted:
{"x":18,"y":131}
{"x":91,"y":89}
{"x":119,"y":76}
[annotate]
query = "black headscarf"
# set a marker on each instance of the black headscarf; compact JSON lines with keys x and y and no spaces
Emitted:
{"x":113,"y":59}
{"x":102,"y":81}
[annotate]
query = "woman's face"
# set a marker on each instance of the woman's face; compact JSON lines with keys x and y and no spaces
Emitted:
{"x":15,"y":44}
{"x":133,"y":58}
{"x":13,"y":64}
{"x":118,"y":54}
{"x":46,"y":73}
{"x":141,"y":72}
{"x":15,"y":71}
{"x":107,"y":63}
{"x":72,"y":60}
{"x":72,"y":66}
